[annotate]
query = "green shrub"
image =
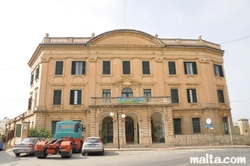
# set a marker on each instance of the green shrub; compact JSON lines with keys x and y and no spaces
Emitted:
{"x":42,"y":133}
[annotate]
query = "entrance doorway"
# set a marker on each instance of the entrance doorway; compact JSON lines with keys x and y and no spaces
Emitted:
{"x":107,"y":130}
{"x":129,"y":127}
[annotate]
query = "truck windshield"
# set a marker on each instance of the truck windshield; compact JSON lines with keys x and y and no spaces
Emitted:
{"x":65,"y":126}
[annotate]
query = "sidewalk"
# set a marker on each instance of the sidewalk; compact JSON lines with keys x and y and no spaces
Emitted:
{"x":175,"y":148}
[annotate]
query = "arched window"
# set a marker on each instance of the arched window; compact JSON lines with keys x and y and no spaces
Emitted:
{"x":127,"y":92}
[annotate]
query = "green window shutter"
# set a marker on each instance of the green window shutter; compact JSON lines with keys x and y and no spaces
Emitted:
{"x":145,"y":67}
{"x":126,"y":67}
{"x":18,"y":130}
{"x":174,"y":96}
{"x":106,"y":67}
{"x":171,"y":68}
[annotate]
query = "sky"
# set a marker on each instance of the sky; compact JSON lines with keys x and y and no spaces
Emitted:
{"x":23,"y":24}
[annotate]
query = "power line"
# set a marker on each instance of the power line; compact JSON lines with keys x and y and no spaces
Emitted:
{"x":12,"y":68}
{"x":240,"y":100}
{"x":235,"y":40}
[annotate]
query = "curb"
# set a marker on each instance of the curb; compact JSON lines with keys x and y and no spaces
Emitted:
{"x":175,"y":148}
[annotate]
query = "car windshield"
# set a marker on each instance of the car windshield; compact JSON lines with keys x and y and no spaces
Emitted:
{"x":28,"y":140}
{"x":92,"y":140}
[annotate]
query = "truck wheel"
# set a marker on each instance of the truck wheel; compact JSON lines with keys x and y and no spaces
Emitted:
{"x":17,"y":154}
{"x":70,"y":152}
{"x":42,"y":155}
{"x":67,"y":155}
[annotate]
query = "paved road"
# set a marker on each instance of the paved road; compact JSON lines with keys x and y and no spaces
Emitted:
{"x":148,"y":157}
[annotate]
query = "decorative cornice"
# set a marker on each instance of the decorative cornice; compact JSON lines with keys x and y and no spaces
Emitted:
{"x":203,"y":60}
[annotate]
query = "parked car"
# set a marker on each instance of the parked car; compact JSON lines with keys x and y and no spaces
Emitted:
{"x":27,"y":146}
{"x":93,"y":145}
{"x":1,"y":145}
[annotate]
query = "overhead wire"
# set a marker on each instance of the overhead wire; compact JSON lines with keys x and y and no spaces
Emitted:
{"x":235,"y":40}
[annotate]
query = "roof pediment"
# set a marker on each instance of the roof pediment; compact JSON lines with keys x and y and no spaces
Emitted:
{"x":125,"y":37}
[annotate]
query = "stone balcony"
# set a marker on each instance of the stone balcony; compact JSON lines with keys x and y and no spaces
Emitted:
{"x":130,"y":101}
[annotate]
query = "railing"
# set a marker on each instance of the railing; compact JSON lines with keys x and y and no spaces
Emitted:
{"x":176,"y":42}
{"x":8,"y":136}
{"x":102,"y":101}
{"x":191,"y":42}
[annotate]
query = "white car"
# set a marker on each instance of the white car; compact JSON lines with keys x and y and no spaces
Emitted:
{"x":27,"y":146}
{"x":92,"y":145}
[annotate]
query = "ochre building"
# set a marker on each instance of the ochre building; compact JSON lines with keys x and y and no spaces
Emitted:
{"x":156,"y":89}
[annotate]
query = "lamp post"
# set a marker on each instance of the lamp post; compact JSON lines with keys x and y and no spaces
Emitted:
{"x":210,"y":127}
{"x":117,"y":116}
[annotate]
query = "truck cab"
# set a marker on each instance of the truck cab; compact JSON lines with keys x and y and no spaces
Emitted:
{"x":69,"y":129}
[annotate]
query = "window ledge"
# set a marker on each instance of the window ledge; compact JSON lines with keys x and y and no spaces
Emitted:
{"x":106,"y":75}
{"x":219,"y":78}
{"x":191,"y":75}
{"x":146,"y":75}
{"x":173,"y":75}
{"x":76,"y":106}
{"x":58,"y":76}
{"x":194,"y":104}
{"x":223,"y":105}
{"x":78,"y":76}
{"x":127,"y":75}
{"x":56,"y":106}
{"x":176,"y":104}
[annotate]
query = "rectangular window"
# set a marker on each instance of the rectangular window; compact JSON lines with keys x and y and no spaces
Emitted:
{"x":30,"y":103}
{"x":177,"y":126}
{"x":196,"y":125}
{"x":221,"y":96}
{"x":225,"y":124}
{"x":218,"y":70}
{"x":190,"y":68}
{"x":106,"y":67}
{"x":75,"y":97}
{"x":59,"y":68}
{"x":31,"y":79}
{"x":171,"y":68}
{"x":191,"y":95}
{"x":78,"y":68}
{"x":145,"y":67}
{"x":174,"y":96}
{"x":35,"y":99}
{"x":106,"y":95}
{"x":126,"y":67}
{"x":53,"y":128}
{"x":37,"y":73}
{"x":147,"y":92}
{"x":57,"y":97}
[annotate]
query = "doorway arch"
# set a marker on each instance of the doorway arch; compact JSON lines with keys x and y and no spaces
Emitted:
{"x":129,"y":129}
{"x":107,"y":130}
{"x":157,"y":128}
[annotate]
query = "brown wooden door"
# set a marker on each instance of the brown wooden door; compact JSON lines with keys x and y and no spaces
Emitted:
{"x":129,"y":125}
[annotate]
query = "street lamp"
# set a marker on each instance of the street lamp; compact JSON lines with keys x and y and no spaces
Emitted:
{"x":123,"y":116}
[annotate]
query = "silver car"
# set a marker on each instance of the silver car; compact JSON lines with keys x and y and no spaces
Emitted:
{"x":27,"y":146}
{"x":93,"y":145}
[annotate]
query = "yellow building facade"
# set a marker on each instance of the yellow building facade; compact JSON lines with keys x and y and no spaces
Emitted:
{"x":156,"y":89}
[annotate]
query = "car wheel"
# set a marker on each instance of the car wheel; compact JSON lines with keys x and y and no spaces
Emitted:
{"x":102,"y":153}
{"x":17,"y":154}
{"x":83,"y":153}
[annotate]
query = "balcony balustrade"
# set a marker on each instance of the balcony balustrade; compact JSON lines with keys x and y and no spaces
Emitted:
{"x":119,"y":101}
